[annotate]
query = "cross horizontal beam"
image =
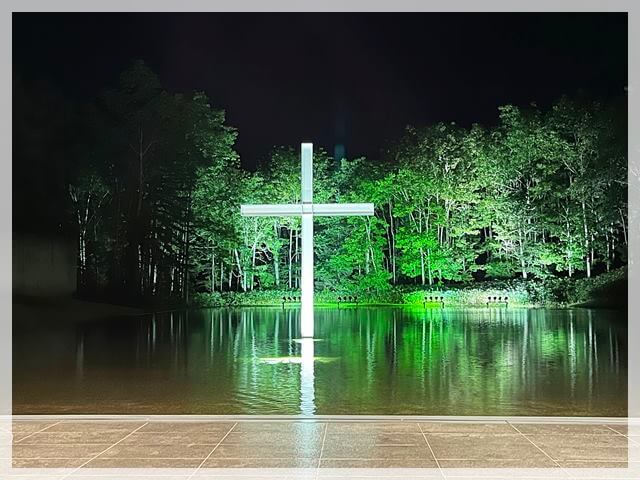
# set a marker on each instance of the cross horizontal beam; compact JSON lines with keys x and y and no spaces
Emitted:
{"x":298,"y":209}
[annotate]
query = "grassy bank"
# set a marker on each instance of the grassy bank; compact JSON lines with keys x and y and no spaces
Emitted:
{"x":604,"y":290}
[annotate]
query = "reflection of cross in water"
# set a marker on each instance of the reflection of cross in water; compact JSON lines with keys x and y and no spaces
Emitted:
{"x":307,"y":387}
{"x":307,"y":209}
{"x":306,"y":361}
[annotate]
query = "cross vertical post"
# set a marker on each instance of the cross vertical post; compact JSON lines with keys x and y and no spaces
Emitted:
{"x":306,"y":275}
{"x":307,"y":210}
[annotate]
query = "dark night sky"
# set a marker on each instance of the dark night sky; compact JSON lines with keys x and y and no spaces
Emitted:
{"x":356,"y":79}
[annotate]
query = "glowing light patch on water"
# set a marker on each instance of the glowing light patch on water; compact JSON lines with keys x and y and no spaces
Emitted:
{"x":276,"y":360}
{"x":294,"y":360}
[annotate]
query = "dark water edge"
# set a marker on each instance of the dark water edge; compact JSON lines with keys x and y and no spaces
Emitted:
{"x":382,"y":360}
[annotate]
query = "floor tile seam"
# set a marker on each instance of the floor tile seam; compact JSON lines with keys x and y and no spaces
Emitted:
{"x":628,"y":437}
{"x":435,"y":459}
{"x":127,"y":435}
{"x":104,"y":451}
{"x":211,"y":452}
{"x":543,"y":452}
{"x":39,"y":431}
{"x":324,"y":439}
{"x":616,"y":431}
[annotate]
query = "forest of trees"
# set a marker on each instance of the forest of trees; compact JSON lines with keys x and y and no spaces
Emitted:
{"x":153,"y":186}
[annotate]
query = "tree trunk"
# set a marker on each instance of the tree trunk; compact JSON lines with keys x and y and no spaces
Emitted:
{"x":240,"y":270}
{"x":569,"y":251}
{"x":140,"y":174}
{"x":276,"y":255}
{"x":370,"y":253}
{"x":593,"y":253}
{"x":523,"y":264}
{"x":366,"y":261}
{"x":253,"y":264}
{"x":81,"y":260}
{"x":608,"y":261}
{"x":296,"y":279}
{"x":393,"y":245}
{"x":186,"y":252}
{"x":624,"y":226}
{"x":213,"y":271}
{"x":290,"y":258}
{"x":586,"y":240}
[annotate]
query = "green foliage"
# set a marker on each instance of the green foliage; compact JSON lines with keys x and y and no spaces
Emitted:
{"x":476,"y":295}
{"x":539,"y":198}
{"x":521,"y":293}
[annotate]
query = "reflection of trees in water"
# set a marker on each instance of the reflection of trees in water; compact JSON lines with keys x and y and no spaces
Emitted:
{"x":367,"y":360}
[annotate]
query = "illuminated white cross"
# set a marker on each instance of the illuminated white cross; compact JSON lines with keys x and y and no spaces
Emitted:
{"x":307,"y":209}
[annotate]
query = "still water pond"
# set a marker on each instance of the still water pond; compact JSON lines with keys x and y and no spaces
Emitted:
{"x":369,"y":360}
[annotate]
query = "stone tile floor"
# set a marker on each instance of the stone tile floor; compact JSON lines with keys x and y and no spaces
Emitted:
{"x":318,"y":449}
